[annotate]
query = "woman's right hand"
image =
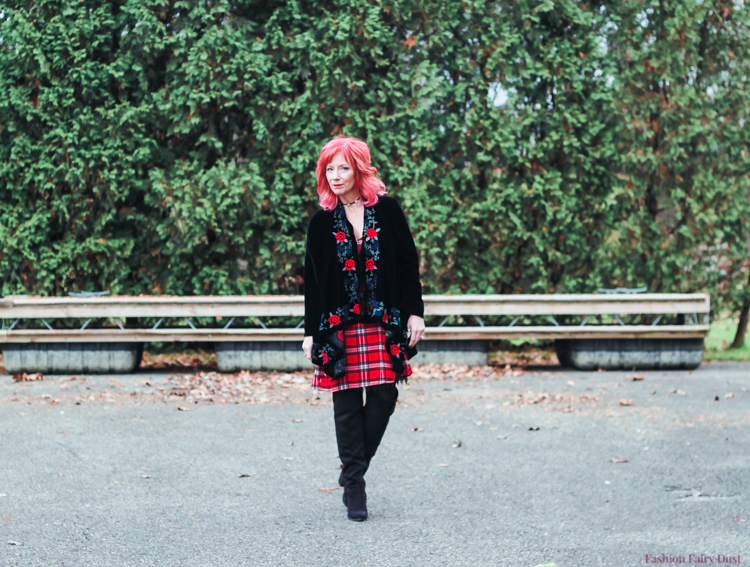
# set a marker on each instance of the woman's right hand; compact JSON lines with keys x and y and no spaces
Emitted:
{"x":307,"y":347}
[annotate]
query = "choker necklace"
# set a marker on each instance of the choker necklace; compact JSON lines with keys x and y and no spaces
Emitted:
{"x":350,"y":204}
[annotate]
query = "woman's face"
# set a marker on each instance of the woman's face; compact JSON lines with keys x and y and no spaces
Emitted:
{"x":340,"y":175}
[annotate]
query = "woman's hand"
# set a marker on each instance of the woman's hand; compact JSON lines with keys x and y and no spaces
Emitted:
{"x":414,"y":330}
{"x":307,"y":347}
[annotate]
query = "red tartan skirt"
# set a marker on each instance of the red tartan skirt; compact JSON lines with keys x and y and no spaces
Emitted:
{"x":367,"y":361}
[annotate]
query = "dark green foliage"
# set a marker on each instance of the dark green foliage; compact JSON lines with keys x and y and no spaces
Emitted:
{"x":683,"y":104}
{"x":555,"y":146}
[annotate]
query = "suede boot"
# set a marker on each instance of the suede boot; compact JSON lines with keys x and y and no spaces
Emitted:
{"x":380,"y":405}
{"x":348,"y":415}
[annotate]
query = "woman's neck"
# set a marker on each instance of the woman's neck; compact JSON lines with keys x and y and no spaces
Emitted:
{"x":350,"y":200}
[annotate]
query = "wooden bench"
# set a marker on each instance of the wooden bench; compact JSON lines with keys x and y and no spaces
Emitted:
{"x":579,"y":342}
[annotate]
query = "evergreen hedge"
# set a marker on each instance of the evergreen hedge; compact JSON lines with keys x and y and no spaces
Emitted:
{"x":151,"y":146}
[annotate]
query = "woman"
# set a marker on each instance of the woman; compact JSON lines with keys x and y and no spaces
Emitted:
{"x":363,"y":305}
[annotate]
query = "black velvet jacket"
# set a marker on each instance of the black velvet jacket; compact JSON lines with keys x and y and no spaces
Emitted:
{"x":387,"y":267}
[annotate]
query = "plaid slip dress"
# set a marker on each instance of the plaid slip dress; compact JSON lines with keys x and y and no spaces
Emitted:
{"x":367,"y":361}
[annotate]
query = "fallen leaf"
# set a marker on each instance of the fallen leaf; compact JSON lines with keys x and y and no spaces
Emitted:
{"x":740,"y":519}
{"x":502,"y":436}
{"x":618,"y":460}
{"x":13,"y":543}
{"x":636,"y":378}
{"x":23,"y":377}
{"x":443,"y":465}
{"x":296,"y":421}
{"x":457,"y":443}
{"x":626,"y":402}
{"x":729,"y":395}
{"x":245,"y":475}
{"x":329,"y":489}
{"x":417,"y":429}
{"x":3,"y":494}
{"x":180,"y":408}
{"x":145,"y":476}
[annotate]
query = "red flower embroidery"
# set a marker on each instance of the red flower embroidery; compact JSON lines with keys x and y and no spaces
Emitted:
{"x":334,"y":320}
{"x":356,"y":308}
{"x":341,"y":335}
{"x":325,"y":357}
{"x":370,"y":264}
{"x":372,"y":233}
{"x":349,"y":264}
{"x":340,"y":236}
{"x":395,"y":350}
{"x":385,"y":318}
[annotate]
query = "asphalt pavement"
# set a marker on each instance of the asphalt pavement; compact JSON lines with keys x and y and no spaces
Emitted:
{"x":541,"y":467}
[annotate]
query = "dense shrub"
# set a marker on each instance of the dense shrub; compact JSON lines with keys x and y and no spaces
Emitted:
{"x":555,"y":146}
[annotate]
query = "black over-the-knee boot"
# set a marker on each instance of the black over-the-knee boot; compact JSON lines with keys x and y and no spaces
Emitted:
{"x":348,"y":415}
{"x":379,"y":407}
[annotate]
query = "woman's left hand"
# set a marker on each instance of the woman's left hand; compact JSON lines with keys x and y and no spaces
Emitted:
{"x":414,"y":330}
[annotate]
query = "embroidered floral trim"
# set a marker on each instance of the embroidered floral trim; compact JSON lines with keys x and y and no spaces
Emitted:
{"x":330,"y":320}
{"x":322,"y":353}
{"x":392,"y":316}
{"x":372,"y":255}
{"x":345,"y":254}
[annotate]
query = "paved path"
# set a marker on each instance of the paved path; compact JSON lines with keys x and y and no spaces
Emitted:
{"x":130,"y":482}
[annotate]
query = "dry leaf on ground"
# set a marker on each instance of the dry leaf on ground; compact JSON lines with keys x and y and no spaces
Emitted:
{"x":626,"y":402}
{"x":23,"y":377}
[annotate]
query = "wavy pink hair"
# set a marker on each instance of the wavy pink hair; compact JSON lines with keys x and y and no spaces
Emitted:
{"x":357,"y":154}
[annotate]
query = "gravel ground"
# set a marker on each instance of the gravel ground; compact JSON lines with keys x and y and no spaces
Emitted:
{"x":480,"y":467}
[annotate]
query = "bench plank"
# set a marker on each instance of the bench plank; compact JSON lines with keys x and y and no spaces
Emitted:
{"x":431,"y":333}
{"x":17,"y":307}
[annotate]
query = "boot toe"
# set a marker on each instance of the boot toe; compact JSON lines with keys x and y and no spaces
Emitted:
{"x":356,"y":506}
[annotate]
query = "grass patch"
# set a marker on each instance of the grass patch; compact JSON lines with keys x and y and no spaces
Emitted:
{"x":720,"y":337}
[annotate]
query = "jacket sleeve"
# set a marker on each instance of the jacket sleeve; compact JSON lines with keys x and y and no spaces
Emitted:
{"x":312,"y":288}
{"x":408,"y":263}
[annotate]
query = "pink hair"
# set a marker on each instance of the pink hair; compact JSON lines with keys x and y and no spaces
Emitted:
{"x":357,"y":154}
